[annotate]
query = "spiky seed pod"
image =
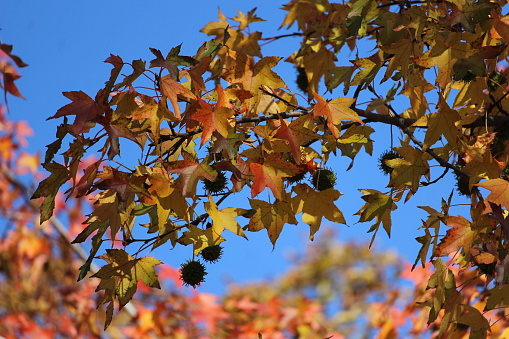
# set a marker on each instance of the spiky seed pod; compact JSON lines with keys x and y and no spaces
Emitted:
{"x":216,"y":186}
{"x":212,"y":253}
{"x":192,"y":273}
{"x":495,"y":80}
{"x":462,"y":184}
{"x":488,"y":269}
{"x":387,"y":155}
{"x":296,"y":178}
{"x":215,"y":156}
{"x":498,"y":144}
{"x":302,"y":79}
{"x":504,"y":174}
{"x":323,"y":179}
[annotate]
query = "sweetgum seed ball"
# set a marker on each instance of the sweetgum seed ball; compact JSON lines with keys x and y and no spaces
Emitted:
{"x":212,"y":253}
{"x":323,"y":179}
{"x":488,"y":269}
{"x":302,"y":79}
{"x":462,"y":184}
{"x":296,"y":178}
{"x":387,"y":155}
{"x":192,"y":273}
{"x":216,"y":186}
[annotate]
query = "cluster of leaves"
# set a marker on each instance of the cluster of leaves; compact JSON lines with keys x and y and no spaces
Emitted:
{"x":39,"y":296}
{"x":228,"y":100}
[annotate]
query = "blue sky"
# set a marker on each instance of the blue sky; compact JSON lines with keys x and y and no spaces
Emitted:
{"x":65,"y":44}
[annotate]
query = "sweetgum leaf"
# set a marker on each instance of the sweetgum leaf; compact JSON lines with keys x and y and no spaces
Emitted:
{"x":83,"y":107}
{"x":460,"y":235}
{"x":49,"y":187}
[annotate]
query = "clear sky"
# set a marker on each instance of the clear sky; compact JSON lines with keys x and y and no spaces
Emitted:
{"x":65,"y":44}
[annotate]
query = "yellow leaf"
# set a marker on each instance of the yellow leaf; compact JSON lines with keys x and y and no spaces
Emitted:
{"x":314,"y":206}
{"x":409,"y":170}
{"x":481,"y":164}
{"x":48,"y":188}
{"x":444,"y":54}
{"x":216,"y":27}
{"x":379,"y":206}
{"x":271,"y":217}
{"x":403,"y":51}
{"x":164,"y":191}
{"x":444,"y":122}
{"x":251,"y":76}
{"x":316,"y":66}
{"x":225,"y":218}
{"x":127,"y":271}
{"x":199,"y":238}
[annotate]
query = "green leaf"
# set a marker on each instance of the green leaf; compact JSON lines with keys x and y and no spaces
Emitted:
{"x":48,"y":188}
{"x":55,"y":145}
{"x":209,"y":49}
{"x":97,"y":241}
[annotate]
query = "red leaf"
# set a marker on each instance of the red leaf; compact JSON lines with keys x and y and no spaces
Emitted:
{"x":83,"y":107}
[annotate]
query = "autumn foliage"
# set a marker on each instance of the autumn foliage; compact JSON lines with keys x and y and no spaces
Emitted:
{"x":227,"y":148}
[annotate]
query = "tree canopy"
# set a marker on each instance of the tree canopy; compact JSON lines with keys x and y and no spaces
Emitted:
{"x":226,"y":146}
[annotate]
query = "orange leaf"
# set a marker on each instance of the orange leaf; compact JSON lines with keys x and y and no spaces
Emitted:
{"x":460,"y":235}
{"x":252,"y":75}
{"x":83,"y":107}
{"x":500,"y":28}
{"x":168,"y":198}
{"x":213,"y":120}
{"x":172,"y":89}
{"x":270,"y":174}
{"x":499,"y":191}
{"x":485,"y":258}
{"x":335,"y":111}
